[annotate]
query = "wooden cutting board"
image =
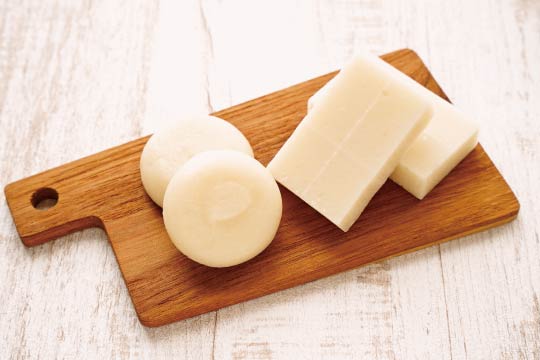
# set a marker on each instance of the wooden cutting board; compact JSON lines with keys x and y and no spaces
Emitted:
{"x":105,"y":190}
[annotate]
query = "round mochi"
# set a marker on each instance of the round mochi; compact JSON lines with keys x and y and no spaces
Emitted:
{"x":222,"y":208}
{"x":168,"y":149}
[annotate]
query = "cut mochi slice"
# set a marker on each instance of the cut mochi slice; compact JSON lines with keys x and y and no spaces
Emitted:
{"x":448,"y":138}
{"x":348,"y":145}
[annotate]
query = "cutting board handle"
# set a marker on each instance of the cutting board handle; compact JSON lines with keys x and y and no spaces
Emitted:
{"x":51,"y":204}
{"x":77,"y":195}
{"x":42,"y":211}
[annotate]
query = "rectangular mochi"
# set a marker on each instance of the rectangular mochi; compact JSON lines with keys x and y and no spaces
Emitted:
{"x":348,"y":145}
{"x":448,"y":138}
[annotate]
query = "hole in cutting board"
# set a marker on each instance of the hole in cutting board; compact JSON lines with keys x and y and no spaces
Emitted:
{"x":44,"y":198}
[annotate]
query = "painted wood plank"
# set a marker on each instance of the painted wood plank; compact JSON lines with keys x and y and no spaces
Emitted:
{"x":502,"y":34}
{"x":74,"y":77}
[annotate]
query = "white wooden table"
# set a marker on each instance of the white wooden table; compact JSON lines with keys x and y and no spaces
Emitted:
{"x":77,"y":77}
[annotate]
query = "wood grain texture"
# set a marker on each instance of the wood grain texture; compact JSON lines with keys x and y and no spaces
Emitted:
{"x":115,"y":68}
{"x":105,"y":190}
